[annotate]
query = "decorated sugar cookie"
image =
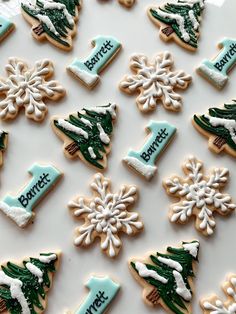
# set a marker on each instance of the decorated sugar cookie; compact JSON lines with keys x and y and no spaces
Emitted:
{"x":217,"y":70}
{"x":155,"y":81}
{"x":87,"y":134}
{"x":24,"y":286}
{"x":88,"y":70}
{"x":52,"y":20}
{"x":3,"y":144}
{"x":199,"y":195}
{"x":179,"y":20}
{"x":20,"y":207}
{"x":143,"y":161}
{"x":219,"y":125}
{"x":106,"y":215}
{"x":126,"y":3}
{"x":6,"y":27}
{"x":102,"y":292}
{"x":28,"y":88}
{"x":213,"y":304}
{"x":167,"y":278}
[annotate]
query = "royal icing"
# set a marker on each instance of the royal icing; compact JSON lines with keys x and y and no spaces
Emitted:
{"x":102,"y":292}
{"x":106,"y":215}
{"x":28,"y":88}
{"x":88,"y":70}
{"x":219,"y":125}
{"x":199,"y":195}
{"x":169,"y":277}
{"x":155,"y":81}
{"x":55,"y":20}
{"x":6,"y":27}
{"x":180,"y":19}
{"x":143,"y":161}
{"x":26,"y":284}
{"x":213,"y":304}
{"x":216,"y":71}
{"x":20,"y":207}
{"x":87,"y":134}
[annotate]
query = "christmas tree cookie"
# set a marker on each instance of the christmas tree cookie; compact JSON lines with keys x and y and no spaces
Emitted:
{"x":106,"y":215}
{"x":213,"y":304}
{"x":167,"y":278}
{"x":199,"y":195}
{"x":28,"y":87}
{"x":155,"y":81}
{"x":52,"y":20}
{"x":6,"y":27}
{"x":219,"y":125}
{"x":87,"y":134}
{"x":24,"y":286}
{"x":179,"y":20}
{"x":3,"y":144}
{"x":102,"y":292}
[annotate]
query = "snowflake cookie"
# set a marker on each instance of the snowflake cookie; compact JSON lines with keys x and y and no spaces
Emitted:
{"x":28,"y":88}
{"x":213,"y":305}
{"x":167,"y":278}
{"x":52,"y":20}
{"x":24,"y":286}
{"x":155,"y":80}
{"x":106,"y":215}
{"x":179,"y":20}
{"x":199,"y":195}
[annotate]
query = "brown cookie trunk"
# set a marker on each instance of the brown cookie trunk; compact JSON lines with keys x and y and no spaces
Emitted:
{"x":38,"y":30}
{"x":167,"y":31}
{"x":72,"y":148}
{"x":3,"y":307}
{"x":153,"y":296}
{"x":219,"y":142}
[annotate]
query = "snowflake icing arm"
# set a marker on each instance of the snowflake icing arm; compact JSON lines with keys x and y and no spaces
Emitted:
{"x":106,"y":215}
{"x":155,"y":81}
{"x":213,"y":304}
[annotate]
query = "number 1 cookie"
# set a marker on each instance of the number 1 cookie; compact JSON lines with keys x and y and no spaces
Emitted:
{"x":52,"y":20}
{"x":6,"y":27}
{"x":167,"y":278}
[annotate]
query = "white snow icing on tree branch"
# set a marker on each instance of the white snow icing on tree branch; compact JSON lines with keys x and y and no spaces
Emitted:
{"x":155,"y":81}
{"x":106,"y":215}
{"x":28,"y":88}
{"x":214,"y":305}
{"x":199,"y":195}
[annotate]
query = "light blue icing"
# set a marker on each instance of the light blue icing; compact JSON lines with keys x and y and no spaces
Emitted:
{"x":104,"y":49}
{"x":102,"y":292}
{"x":5,"y":25}
{"x":226,"y":59}
{"x":143,"y":161}
{"x":43,"y":178}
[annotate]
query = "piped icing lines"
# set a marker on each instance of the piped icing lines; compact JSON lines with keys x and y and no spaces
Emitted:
{"x":102,"y":292}
{"x":216,"y":71}
{"x":20,"y":207}
{"x":199,"y":195}
{"x":52,"y":20}
{"x":219,"y":125}
{"x":213,"y":304}
{"x":143,"y":161}
{"x":3,"y":144}
{"x":167,"y":278}
{"x":24,"y":286}
{"x":106,"y":215}
{"x":6,"y":27}
{"x":87,"y":134}
{"x":155,"y":81}
{"x":179,"y":20}
{"x":88,"y":70}
{"x":28,"y":88}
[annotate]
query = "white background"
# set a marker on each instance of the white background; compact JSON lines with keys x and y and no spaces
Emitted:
{"x":30,"y":142}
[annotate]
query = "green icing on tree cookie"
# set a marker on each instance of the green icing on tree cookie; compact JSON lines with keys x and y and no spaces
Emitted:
{"x":56,"y":18}
{"x":170,"y":275}
{"x":89,"y":133}
{"x":221,"y":123}
{"x":182,"y":17}
{"x":3,"y":136}
{"x":23,"y":288}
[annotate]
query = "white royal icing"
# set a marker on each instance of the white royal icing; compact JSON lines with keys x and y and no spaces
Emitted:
{"x":46,"y":259}
{"x":230,"y":125}
{"x":144,"y":272}
{"x":70,"y":127}
{"x":192,"y":248}
{"x":17,"y":214}
{"x":181,"y":288}
{"x":91,"y":153}
{"x":146,"y":170}
{"x":215,"y":77}
{"x":169,"y":262}
{"x":35,"y":271}
{"x":85,"y":76}
{"x":103,"y":136}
